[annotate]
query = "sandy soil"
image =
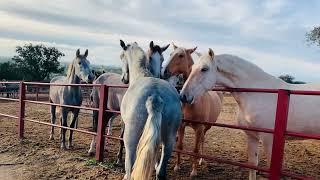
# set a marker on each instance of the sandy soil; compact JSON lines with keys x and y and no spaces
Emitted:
{"x":35,"y":157}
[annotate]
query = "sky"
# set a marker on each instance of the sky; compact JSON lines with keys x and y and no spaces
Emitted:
{"x":268,"y":33}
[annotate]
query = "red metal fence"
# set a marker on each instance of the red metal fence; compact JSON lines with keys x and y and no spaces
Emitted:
{"x":279,"y":132}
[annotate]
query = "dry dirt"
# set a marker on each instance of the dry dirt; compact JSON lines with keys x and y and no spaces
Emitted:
{"x":35,"y":157}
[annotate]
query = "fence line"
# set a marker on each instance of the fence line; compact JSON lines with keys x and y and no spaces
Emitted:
{"x":279,"y":131}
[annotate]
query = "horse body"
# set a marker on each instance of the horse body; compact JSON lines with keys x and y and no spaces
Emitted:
{"x":151,"y":112}
{"x":206,"y":108}
{"x":69,"y":95}
{"x":115,"y":95}
{"x":256,"y":109}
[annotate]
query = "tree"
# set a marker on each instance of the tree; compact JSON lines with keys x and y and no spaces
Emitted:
{"x":290,"y":79}
{"x":313,"y":37}
{"x":9,"y":71}
{"x":37,"y":62}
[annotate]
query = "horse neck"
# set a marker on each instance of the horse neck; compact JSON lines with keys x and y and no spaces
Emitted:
{"x":249,"y":77}
{"x":72,"y":78}
{"x":190,"y":62}
{"x":138,"y":69}
{"x":154,"y":68}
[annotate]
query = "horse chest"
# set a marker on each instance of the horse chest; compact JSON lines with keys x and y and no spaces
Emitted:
{"x":72,"y":97}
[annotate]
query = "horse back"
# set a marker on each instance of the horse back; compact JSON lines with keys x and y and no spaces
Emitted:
{"x":115,"y":95}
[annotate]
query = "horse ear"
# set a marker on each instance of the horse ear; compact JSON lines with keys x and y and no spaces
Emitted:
{"x":174,"y":46}
{"x":190,"y":51}
{"x":211,"y":53}
{"x":198,"y":54}
{"x":78,"y":53}
{"x":164,"y":48}
{"x":86,"y":53}
{"x":151,"y":45}
{"x":123,"y":45}
{"x":103,"y":71}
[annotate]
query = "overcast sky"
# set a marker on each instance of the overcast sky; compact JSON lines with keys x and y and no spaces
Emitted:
{"x":268,"y":33}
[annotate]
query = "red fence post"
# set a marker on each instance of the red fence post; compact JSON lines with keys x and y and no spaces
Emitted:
{"x":22,"y":95}
{"x":280,"y":128}
{"x":101,"y":123}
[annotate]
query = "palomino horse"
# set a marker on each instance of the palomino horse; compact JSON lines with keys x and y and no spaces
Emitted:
{"x":256,"y":109}
{"x":151,"y":112}
{"x":78,"y":70}
{"x":115,"y":95}
{"x":206,"y":107}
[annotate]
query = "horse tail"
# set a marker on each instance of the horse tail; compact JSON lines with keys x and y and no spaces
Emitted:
{"x":150,"y":139}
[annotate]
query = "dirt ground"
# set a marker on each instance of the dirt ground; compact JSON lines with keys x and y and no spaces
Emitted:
{"x":35,"y":157}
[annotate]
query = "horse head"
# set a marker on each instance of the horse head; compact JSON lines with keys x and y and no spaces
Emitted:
{"x":179,"y":62}
{"x":80,"y":67}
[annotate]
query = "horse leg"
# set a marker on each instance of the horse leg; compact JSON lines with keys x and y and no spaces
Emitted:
{"x":253,"y":158}
{"x":74,"y":124}
{"x":181,"y":131}
{"x":201,"y":161}
{"x":110,"y":124}
{"x":53,"y":120}
{"x":198,"y":138}
{"x":120,"y":152}
{"x":64,"y":123}
{"x":267,"y":141}
{"x":130,"y":141}
{"x":94,"y":128}
{"x":167,"y":148}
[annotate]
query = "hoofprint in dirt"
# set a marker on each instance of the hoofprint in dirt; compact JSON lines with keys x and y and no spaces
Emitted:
{"x":36,"y":157}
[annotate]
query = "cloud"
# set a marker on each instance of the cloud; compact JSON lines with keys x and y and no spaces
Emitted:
{"x":269,"y":33}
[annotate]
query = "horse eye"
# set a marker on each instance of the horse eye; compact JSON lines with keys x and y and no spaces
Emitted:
{"x":204,"y":69}
{"x":181,"y":56}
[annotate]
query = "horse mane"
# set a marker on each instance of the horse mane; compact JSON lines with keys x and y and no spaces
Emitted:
{"x":142,"y":59}
{"x":231,"y":65}
{"x":70,"y":70}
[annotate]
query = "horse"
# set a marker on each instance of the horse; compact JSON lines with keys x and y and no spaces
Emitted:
{"x":115,"y":95}
{"x":78,"y":70}
{"x":206,"y":107}
{"x":255,"y":109}
{"x":151,"y":112}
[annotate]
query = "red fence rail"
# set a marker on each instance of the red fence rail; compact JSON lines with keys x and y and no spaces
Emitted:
{"x":279,"y":131}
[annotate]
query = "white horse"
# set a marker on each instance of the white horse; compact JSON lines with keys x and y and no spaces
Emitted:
{"x":256,"y":109}
{"x":78,"y":70}
{"x":151,"y":112}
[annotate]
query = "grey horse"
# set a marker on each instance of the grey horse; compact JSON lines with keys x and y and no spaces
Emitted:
{"x":115,"y":95}
{"x":78,"y":70}
{"x":151,"y":112}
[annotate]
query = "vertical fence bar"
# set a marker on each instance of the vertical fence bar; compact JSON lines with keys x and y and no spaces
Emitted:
{"x":101,"y":123}
{"x":279,"y":134}
{"x":37,"y":93}
{"x":22,"y":95}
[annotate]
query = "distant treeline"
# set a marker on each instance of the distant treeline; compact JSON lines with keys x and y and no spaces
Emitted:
{"x":38,"y":63}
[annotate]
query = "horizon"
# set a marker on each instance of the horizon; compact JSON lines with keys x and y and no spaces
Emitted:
{"x":270,"y":34}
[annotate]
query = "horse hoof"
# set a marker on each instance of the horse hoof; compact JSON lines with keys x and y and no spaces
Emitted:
{"x":70,"y":147}
{"x":193,"y":174}
{"x":90,"y":153}
{"x":119,"y":163}
{"x":176,"y":168}
{"x":63,"y":146}
{"x":51,"y":138}
{"x":201,"y":162}
{"x":125,"y":177}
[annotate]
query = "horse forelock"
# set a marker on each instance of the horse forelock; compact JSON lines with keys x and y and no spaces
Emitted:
{"x":173,"y":56}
